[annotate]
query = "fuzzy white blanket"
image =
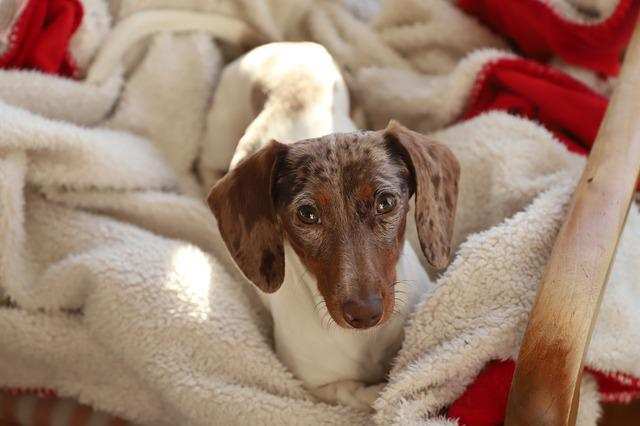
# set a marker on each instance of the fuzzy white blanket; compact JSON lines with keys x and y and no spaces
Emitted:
{"x":123,"y":295}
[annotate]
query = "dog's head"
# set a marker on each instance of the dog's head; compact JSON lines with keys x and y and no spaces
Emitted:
{"x":341,"y":202}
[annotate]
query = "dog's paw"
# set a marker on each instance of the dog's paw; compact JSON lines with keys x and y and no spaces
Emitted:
{"x":351,"y":393}
{"x":369,"y":394}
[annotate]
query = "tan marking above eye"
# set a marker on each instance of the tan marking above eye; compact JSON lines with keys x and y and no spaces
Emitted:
{"x":365,"y":191}
{"x":323,"y":198}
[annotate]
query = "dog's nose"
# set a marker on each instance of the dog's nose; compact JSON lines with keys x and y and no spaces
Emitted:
{"x":363,"y":313}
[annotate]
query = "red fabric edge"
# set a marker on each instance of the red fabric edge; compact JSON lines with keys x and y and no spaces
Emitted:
{"x":595,"y":46}
{"x":484,"y":402}
{"x":616,"y":387}
{"x":40,"y":392}
{"x":551,"y":74}
{"x":19,"y":33}
{"x":486,"y":90}
{"x":602,"y":31}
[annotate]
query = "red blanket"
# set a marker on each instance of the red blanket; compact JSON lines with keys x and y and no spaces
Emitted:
{"x":40,"y":38}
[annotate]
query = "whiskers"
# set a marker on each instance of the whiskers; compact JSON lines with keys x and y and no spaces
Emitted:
{"x":395,"y":283}
{"x":399,"y":297}
{"x":320,"y":306}
{"x":326,"y":320}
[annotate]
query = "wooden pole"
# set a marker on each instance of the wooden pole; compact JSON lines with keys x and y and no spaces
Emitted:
{"x":546,"y":385}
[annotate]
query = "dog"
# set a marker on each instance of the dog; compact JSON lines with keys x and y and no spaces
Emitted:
{"x":318,"y":225}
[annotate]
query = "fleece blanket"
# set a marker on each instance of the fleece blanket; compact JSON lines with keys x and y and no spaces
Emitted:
{"x":118,"y":292}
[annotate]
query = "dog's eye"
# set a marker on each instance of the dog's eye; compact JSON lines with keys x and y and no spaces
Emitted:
{"x":309,"y":214}
{"x":385,"y":203}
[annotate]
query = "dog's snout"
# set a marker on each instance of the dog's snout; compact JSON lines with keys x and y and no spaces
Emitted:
{"x":363,"y":313}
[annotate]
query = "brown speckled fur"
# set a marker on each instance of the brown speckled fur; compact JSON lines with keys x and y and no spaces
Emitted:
{"x":352,"y":252}
{"x":436,"y":172}
{"x":242,"y":204}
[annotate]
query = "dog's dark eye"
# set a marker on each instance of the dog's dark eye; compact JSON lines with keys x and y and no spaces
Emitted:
{"x":385,"y":203}
{"x":309,"y":214}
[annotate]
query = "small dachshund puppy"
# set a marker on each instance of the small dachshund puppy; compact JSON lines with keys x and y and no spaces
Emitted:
{"x":318,"y":226}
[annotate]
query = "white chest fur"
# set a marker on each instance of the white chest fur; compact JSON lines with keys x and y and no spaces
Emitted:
{"x":320,"y":352}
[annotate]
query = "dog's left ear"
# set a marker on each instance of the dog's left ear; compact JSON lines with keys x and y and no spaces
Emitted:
{"x":243,"y":205}
{"x":435,"y":172}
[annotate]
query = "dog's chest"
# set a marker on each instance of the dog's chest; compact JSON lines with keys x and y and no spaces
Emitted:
{"x":317,"y":350}
{"x":319,"y":356}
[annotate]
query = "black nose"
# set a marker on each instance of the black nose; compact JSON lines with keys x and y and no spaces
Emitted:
{"x":362,"y":313}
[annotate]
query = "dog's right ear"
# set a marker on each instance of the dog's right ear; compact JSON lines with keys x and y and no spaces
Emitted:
{"x":242,"y":203}
{"x":436,"y":172}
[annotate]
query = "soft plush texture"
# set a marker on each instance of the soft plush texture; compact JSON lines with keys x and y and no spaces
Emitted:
{"x":123,"y":296}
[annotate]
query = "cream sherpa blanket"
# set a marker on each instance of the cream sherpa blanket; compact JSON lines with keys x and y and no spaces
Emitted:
{"x":126,"y":299}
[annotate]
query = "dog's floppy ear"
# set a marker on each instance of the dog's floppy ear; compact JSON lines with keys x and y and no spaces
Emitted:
{"x":242,"y":203}
{"x":435,"y":172}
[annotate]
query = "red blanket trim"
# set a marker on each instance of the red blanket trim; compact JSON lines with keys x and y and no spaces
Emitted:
{"x":40,"y":38}
{"x":484,"y":402}
{"x":568,"y":108}
{"x":39,"y":392}
{"x":17,"y":407}
{"x":616,"y":387}
{"x":540,"y":32}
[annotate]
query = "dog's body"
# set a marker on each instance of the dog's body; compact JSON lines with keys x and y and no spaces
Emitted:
{"x":282,"y":91}
{"x":318,"y":226}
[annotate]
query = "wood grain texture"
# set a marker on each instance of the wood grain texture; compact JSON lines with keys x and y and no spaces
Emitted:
{"x":546,"y":384}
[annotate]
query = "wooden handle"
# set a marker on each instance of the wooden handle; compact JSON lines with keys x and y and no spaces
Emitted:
{"x":546,"y":385}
